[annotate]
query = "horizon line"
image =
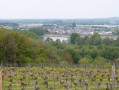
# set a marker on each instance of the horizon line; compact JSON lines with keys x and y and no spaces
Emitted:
{"x":53,"y":18}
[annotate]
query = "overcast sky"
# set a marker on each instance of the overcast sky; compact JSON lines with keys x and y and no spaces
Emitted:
{"x":59,"y":9}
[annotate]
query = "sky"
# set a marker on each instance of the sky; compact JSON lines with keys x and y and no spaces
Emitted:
{"x":58,"y":9}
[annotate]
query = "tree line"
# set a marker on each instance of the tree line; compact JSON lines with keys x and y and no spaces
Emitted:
{"x":20,"y":47}
{"x":16,"y":47}
{"x":87,"y":50}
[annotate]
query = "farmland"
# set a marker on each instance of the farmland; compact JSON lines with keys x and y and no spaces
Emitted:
{"x":58,"y":78}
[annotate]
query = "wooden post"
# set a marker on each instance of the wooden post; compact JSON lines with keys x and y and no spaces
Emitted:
{"x":54,"y":79}
{"x":29,"y":73}
{"x":0,"y":80}
{"x":34,"y":85}
{"x":82,"y":80}
{"x":99,"y":85}
{"x":110,"y":86}
{"x":113,"y":72}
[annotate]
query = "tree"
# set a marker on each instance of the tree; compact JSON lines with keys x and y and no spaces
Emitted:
{"x":58,"y":44}
{"x":39,"y":31}
{"x":117,"y":41}
{"x":85,"y":40}
{"x":106,"y":41}
{"x":73,"y":38}
{"x":108,"y":52}
{"x":32,"y":35}
{"x":11,"y":49}
{"x":48,"y":39}
{"x":73,"y":54}
{"x":2,"y":44}
{"x":94,"y":53}
{"x":95,"y":39}
{"x":84,"y":51}
{"x":85,"y":61}
{"x":100,"y":61}
{"x":16,"y":47}
{"x":68,"y":58}
{"x":79,"y":40}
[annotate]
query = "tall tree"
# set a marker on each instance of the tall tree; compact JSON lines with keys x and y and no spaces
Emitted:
{"x":73,"y":37}
{"x":95,"y":39}
{"x":117,"y":41}
{"x":11,"y":49}
{"x":106,"y":41}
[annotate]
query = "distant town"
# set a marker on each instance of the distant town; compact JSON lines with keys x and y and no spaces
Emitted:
{"x":63,"y":29}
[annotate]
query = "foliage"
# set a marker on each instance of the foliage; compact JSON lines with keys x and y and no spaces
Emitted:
{"x":32,"y":31}
{"x":92,"y":47}
{"x":72,"y":54}
{"x":32,"y":35}
{"x":100,"y":61}
{"x":16,"y":47}
{"x":85,"y":61}
{"x":39,"y":31}
{"x":73,"y":37}
{"x":91,"y":77}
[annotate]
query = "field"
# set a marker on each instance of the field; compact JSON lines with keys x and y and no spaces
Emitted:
{"x":49,"y":78}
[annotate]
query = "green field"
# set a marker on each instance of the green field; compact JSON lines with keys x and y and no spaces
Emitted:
{"x":16,"y":78}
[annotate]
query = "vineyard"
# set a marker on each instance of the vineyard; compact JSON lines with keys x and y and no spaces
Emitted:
{"x":58,"y":78}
